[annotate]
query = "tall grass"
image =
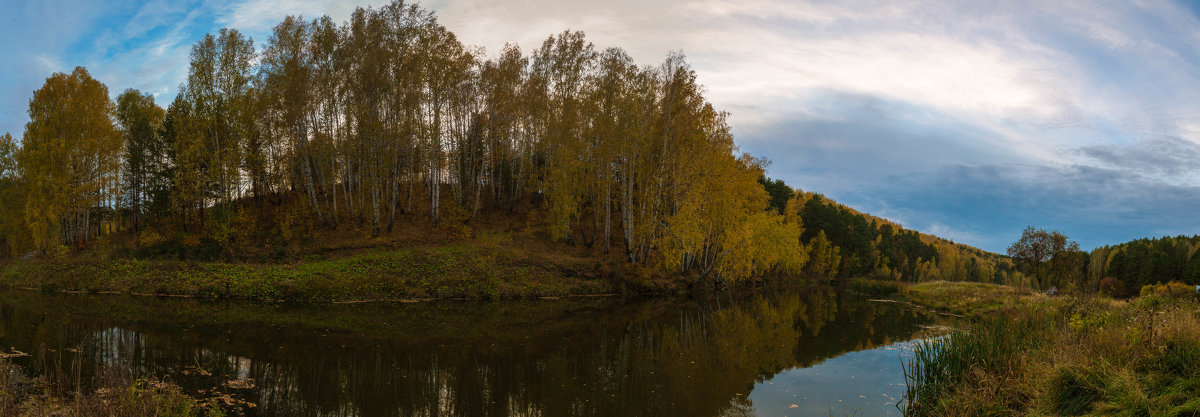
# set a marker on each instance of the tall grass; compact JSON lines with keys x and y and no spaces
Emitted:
{"x":941,"y":363}
{"x":1061,"y":356}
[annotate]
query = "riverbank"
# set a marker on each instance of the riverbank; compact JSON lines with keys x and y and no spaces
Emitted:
{"x":1024,"y":353}
{"x":474,"y":270}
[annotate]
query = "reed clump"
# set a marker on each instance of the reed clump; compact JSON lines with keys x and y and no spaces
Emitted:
{"x":1062,"y":356}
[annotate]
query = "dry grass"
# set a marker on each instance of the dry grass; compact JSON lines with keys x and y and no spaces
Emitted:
{"x":970,"y":299}
{"x":1081,"y":356}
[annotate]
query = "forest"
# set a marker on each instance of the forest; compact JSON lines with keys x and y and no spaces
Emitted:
{"x":389,"y":119}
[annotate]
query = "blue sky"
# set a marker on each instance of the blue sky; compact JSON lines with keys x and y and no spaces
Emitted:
{"x":966,"y":119}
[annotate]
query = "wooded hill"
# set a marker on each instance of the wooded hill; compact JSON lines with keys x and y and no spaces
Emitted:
{"x":387,"y":119}
{"x":844,"y":242}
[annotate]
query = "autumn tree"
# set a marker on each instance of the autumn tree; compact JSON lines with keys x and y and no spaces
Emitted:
{"x":824,"y":258}
{"x":1036,"y":247}
{"x":71,"y":160}
{"x":389,"y":117}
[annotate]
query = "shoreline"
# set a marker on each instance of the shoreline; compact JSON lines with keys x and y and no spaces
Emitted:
{"x":413,"y":274}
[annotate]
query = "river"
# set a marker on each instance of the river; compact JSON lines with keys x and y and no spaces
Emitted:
{"x":774,"y":352}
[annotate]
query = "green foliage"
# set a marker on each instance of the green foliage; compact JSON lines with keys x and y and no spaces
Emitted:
{"x":144,"y":169}
{"x":1151,"y":261}
{"x":476,"y":271}
{"x":780,"y":193}
{"x":875,"y":287}
{"x":1049,"y":256}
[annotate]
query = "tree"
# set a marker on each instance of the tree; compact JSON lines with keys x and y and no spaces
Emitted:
{"x":141,"y":121}
{"x":12,"y":198}
{"x":824,"y":257}
{"x":389,"y":115}
{"x":780,"y":193}
{"x":71,"y":158}
{"x":1036,"y":247}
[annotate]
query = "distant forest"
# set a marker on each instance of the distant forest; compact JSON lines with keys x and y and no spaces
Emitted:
{"x":387,"y":117}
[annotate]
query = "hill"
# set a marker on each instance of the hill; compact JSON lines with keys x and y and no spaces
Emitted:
{"x":844,"y":242}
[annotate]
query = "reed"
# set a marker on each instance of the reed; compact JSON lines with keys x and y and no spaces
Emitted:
{"x":941,"y":363}
{"x":1065,"y":356}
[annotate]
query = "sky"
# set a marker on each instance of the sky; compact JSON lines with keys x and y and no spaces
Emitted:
{"x":966,"y":119}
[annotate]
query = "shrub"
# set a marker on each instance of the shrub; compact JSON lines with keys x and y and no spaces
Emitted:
{"x":1173,"y":289}
{"x":1112,"y":287}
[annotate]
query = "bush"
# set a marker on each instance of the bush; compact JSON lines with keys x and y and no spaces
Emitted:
{"x":1112,"y":287}
{"x":1173,"y":289}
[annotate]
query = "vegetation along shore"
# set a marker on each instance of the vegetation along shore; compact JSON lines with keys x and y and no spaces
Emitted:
{"x":1025,"y":353}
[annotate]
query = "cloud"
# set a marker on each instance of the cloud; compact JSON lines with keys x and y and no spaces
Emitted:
{"x":1168,"y":158}
{"x":992,"y":203}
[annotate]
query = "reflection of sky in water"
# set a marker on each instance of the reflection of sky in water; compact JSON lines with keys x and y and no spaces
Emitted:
{"x":869,"y":382}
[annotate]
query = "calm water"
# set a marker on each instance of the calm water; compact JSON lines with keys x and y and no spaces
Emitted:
{"x":777,"y":352}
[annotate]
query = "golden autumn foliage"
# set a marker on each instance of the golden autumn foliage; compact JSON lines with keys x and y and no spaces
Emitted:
{"x":70,"y":159}
{"x":388,"y":117}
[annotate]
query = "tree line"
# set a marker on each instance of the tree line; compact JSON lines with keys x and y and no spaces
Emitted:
{"x":845,"y":243}
{"x":387,"y":117}
{"x":1117,"y":270}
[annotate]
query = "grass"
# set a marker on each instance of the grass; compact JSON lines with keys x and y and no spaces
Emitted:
{"x":875,"y":288}
{"x":484,"y":270}
{"x":1022,"y":353}
{"x":971,"y":299}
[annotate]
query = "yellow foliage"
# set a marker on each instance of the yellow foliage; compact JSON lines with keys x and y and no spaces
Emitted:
{"x":1169,"y":289}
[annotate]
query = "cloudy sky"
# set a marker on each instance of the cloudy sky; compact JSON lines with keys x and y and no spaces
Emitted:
{"x":969,"y":120}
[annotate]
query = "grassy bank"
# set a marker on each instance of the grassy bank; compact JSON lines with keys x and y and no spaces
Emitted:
{"x":474,"y":269}
{"x":1022,"y":353}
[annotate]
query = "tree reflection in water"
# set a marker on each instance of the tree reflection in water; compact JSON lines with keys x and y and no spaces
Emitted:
{"x":579,"y":357}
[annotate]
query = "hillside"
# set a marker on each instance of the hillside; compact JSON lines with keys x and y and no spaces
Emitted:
{"x":847,"y":243}
{"x":387,"y":134}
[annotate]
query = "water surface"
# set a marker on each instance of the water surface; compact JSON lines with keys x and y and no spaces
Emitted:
{"x":775,"y":352}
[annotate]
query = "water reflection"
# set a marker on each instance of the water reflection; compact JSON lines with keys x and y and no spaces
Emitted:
{"x":578,"y":357}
